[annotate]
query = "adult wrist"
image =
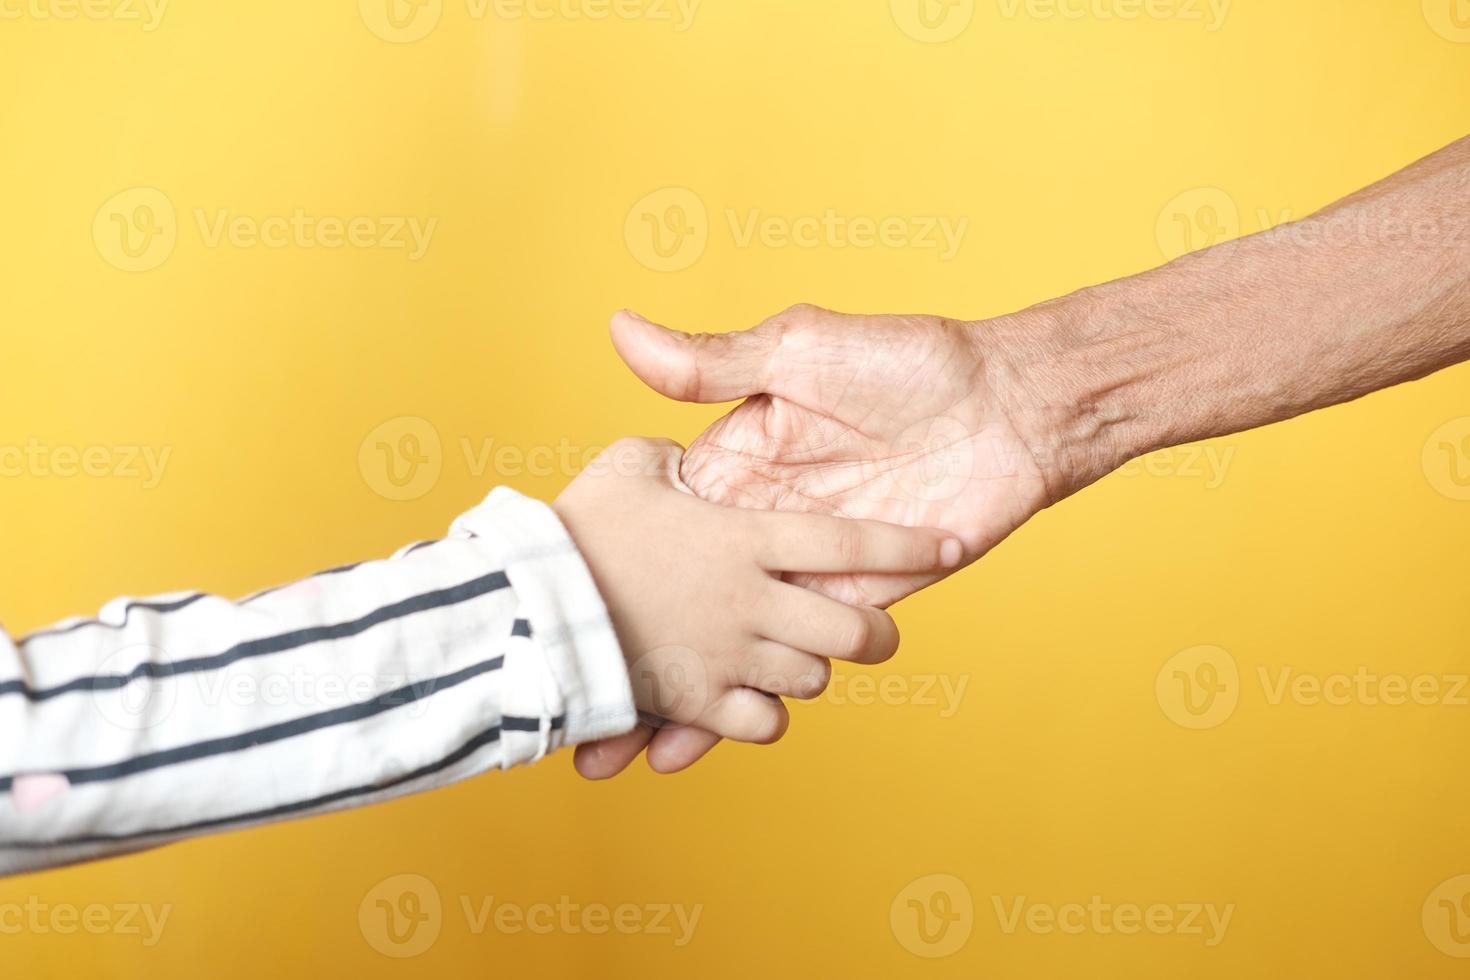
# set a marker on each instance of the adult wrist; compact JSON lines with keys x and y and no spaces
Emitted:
{"x":1088,"y":381}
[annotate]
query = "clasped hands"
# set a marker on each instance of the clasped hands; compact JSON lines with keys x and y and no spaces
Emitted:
{"x":872,"y":456}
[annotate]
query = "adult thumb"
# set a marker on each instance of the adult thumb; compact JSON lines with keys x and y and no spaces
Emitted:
{"x":692,"y":367}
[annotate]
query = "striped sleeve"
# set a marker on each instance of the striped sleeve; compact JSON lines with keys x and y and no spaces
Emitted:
{"x":190,"y":714}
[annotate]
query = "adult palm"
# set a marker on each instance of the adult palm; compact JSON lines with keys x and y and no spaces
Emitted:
{"x":893,"y":418}
{"x":905,"y":419}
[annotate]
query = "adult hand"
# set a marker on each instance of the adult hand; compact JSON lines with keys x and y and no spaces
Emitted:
{"x":911,"y":420}
{"x":973,"y":428}
{"x":904,"y":419}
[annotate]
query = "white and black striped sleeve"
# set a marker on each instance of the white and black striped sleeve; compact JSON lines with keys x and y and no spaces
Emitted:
{"x":190,"y":714}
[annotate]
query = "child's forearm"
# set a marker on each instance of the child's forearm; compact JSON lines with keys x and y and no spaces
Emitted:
{"x":172,"y":718}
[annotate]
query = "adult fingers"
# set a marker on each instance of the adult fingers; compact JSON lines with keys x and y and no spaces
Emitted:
{"x":694,"y":367}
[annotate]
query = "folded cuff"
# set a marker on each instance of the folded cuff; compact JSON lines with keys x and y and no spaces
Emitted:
{"x":569,"y":674}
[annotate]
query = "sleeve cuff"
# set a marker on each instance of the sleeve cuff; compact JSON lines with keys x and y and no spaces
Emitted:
{"x":568,"y":678}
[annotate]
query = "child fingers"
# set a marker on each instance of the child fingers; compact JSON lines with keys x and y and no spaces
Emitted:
{"x":606,"y":758}
{"x":817,"y":543}
{"x":786,"y":671}
{"x":678,"y":747}
{"x":744,"y":715}
{"x":823,"y":626}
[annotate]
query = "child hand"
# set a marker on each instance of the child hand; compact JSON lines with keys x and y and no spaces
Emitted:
{"x":711,"y":634}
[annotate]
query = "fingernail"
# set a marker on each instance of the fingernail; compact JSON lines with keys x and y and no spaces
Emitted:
{"x":951,"y":553}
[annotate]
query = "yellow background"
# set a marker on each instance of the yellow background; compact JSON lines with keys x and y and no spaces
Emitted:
{"x":1067,"y":143}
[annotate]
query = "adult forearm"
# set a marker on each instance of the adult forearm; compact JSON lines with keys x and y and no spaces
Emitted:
{"x":1371,"y":292}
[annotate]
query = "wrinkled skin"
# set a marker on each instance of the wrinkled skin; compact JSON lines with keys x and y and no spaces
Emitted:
{"x":881,"y":417}
{"x":901,"y":419}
